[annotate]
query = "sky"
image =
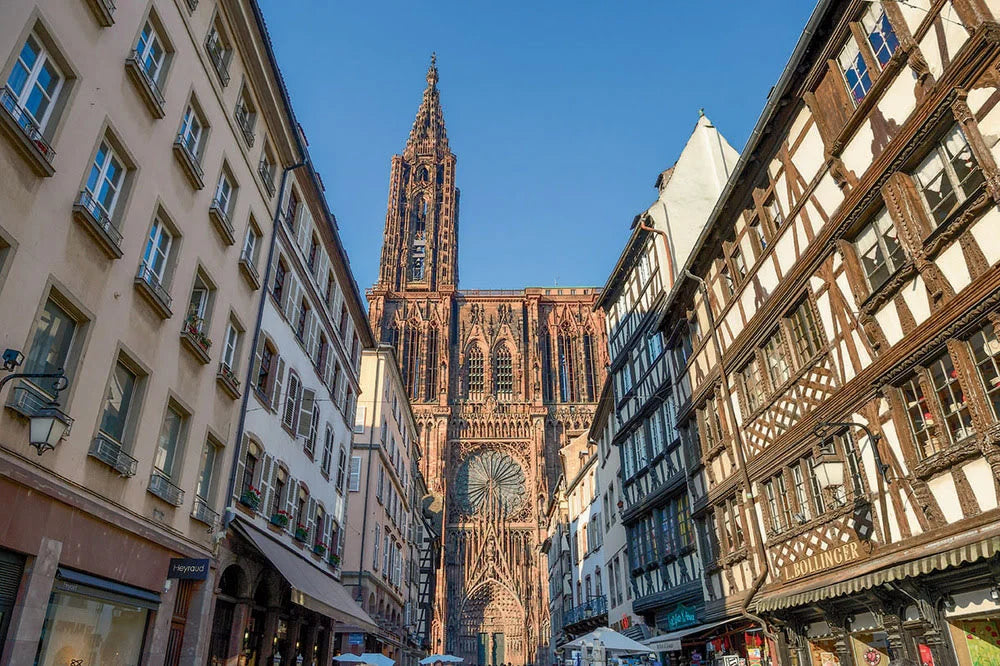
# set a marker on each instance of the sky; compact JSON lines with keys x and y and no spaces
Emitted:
{"x":561,"y":113}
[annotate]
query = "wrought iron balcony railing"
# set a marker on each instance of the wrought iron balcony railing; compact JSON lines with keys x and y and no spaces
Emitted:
{"x":27,"y":125}
{"x":110,"y":452}
{"x":594,"y":608}
{"x":161,"y":486}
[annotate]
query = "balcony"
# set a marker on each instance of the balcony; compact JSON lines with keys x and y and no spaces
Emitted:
{"x":586,"y":616}
{"x":104,"y":12}
{"x":194,"y":338}
{"x":148,"y":284}
{"x":266,"y":172}
{"x":149,"y":90}
{"x":96,"y":222}
{"x":218,"y":57}
{"x":245,"y":120}
{"x":249,"y":271}
{"x":228,"y":381}
{"x":109,"y":452}
{"x":220,"y":218}
{"x":160,"y":485}
{"x":26,"y":135}
{"x":189,"y":162}
{"x":203,"y":513}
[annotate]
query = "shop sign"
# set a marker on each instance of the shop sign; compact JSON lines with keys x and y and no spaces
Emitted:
{"x":695,"y":657}
{"x":846,"y":553}
{"x":680,"y":617}
{"x":186,"y":568}
{"x":356,"y":639}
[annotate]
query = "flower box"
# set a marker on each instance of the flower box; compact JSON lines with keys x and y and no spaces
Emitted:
{"x":280,"y":519}
{"x":334,"y":559}
{"x":192,"y":327}
{"x":320,"y":549}
{"x":251,"y":498}
{"x":301,"y":532}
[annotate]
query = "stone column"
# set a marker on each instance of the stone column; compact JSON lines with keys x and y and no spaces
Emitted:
{"x":194,"y":648}
{"x":267,"y":636}
{"x":155,"y":649}
{"x":241,"y":618}
{"x":293,"y":635}
{"x":326,"y":644}
{"x":309,"y":636}
{"x":28,"y":614}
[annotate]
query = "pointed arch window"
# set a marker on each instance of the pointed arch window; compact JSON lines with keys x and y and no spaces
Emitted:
{"x":567,"y":366}
{"x":419,"y":218}
{"x":589,"y":368}
{"x":430,"y":372}
{"x":503,"y":372}
{"x":411,"y":358}
{"x":474,"y":371}
{"x":545,"y":341}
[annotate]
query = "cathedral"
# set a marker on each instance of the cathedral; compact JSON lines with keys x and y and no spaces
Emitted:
{"x":499,"y":381}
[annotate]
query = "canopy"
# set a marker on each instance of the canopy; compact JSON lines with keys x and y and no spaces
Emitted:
{"x":349,"y":658}
{"x":311,"y":588}
{"x":441,"y":658}
{"x":376,"y":659}
{"x":662,"y":643}
{"x":611,"y":639}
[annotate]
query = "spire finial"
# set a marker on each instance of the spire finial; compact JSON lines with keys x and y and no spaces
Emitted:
{"x":432,"y":71}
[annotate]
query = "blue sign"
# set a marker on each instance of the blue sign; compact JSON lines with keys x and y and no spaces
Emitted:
{"x":355,"y":639}
{"x":186,"y":568}
{"x":680,"y":617}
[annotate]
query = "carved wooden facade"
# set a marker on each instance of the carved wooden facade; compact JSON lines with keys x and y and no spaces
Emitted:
{"x":852,"y":275}
{"x":498,"y":380}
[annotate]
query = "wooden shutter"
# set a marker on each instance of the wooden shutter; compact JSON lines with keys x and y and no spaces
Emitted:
{"x":328,"y":534}
{"x":241,"y":467}
{"x":355,"y":474}
{"x":291,"y":496}
{"x":256,"y":361}
{"x":311,"y":522}
{"x":277,"y":383}
{"x":313,"y":335}
{"x":267,"y":471}
{"x":308,"y":404}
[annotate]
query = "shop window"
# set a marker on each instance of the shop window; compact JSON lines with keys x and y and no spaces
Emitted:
{"x":948,"y":175}
{"x":986,"y":353}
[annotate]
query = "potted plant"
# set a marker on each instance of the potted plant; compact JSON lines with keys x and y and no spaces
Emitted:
{"x":334,"y":559}
{"x":301,"y":532}
{"x":230,"y":376}
{"x":251,"y":497}
{"x":320,"y":548}
{"x":280,"y":519}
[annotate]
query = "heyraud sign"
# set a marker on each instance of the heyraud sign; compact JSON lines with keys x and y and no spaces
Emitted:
{"x":185,"y":568}
{"x":846,"y":553}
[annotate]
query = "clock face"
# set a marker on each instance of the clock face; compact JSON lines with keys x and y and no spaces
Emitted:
{"x":490,"y":481}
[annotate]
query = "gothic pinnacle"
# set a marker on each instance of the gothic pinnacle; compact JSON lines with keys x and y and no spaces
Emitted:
{"x":432,"y":72}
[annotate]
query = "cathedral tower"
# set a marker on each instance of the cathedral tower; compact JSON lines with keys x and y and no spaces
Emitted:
{"x":499,"y":381}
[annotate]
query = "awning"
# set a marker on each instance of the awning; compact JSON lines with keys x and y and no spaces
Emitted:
{"x":613,"y":641}
{"x":311,"y":588}
{"x":654,"y":642}
{"x":918,"y":567}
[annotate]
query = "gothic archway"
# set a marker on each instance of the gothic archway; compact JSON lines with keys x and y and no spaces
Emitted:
{"x":491,"y":626}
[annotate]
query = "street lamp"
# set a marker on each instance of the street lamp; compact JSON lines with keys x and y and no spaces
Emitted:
{"x":48,"y":424}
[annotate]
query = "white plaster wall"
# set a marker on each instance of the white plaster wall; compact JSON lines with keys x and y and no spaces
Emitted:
{"x":943,"y":488}
{"x":952,"y":263}
{"x":827,"y":194}
{"x":808,"y":159}
{"x":985,"y":233}
{"x":899,"y":101}
{"x":915,"y":294}
{"x":857,"y":155}
{"x":980,"y":476}
{"x":888,"y":318}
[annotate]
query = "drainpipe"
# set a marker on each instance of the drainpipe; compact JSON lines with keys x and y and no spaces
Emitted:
{"x":758,"y":538}
{"x":368,"y":473}
{"x":230,"y":513}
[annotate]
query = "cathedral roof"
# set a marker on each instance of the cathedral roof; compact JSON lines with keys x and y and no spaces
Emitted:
{"x":428,"y":128}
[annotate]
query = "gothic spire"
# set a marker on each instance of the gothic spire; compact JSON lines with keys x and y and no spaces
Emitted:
{"x":428,"y":129}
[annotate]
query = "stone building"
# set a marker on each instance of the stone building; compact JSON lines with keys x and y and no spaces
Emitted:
{"x":280,"y":595}
{"x":841,"y":306}
{"x":499,"y":382}
{"x":139,"y":147}
{"x":379,"y":551}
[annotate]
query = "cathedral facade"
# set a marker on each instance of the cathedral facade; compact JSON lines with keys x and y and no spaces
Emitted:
{"x":499,"y":382}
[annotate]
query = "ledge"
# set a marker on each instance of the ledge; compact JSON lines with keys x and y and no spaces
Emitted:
{"x":189,"y":163}
{"x":161,"y":486}
{"x":249,"y":272}
{"x":109,"y":452}
{"x":104,"y":12}
{"x":25,"y":135}
{"x":147,"y":87}
{"x":150,"y":288}
{"x":97,"y":223}
{"x":193,"y":345}
{"x":228,"y":381}
{"x":221,"y":222}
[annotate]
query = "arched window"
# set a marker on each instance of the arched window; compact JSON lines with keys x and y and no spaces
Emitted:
{"x":411,"y":359}
{"x":598,"y":585}
{"x":474,"y":370}
{"x":545,"y":342}
{"x":567,"y":366}
{"x":588,"y":589}
{"x":503,"y":371}
{"x":430,"y":372}
{"x":589,"y":368}
{"x":419,"y":218}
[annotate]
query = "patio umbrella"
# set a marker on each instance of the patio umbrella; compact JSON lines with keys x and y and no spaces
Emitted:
{"x":376,"y":659}
{"x":612,"y":641}
{"x":349,"y":659}
{"x":441,"y":658}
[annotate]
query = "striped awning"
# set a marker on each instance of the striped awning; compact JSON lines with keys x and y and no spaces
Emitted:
{"x":918,"y":567}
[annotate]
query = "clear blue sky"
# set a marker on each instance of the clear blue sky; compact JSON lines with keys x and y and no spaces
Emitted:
{"x":561,"y":113}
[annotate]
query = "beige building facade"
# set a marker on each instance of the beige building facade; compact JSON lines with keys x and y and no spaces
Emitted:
{"x":139,"y":154}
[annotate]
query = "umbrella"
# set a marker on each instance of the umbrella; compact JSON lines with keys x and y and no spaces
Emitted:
{"x":349,"y":659}
{"x":376,"y":659}
{"x":441,"y":658}
{"x":611,"y":639}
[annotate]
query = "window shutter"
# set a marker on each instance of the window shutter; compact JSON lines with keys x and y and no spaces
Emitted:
{"x":267,"y":472}
{"x":293,"y":304}
{"x":313,"y":336}
{"x":291,"y":395}
{"x":359,"y":423}
{"x":277,"y":382}
{"x":311,"y":522}
{"x":291,"y":495}
{"x":308,"y":404}
{"x":355,"y":482}
{"x":375,"y":554}
{"x":241,"y":466}
{"x":328,"y":534}
{"x":258,"y":355}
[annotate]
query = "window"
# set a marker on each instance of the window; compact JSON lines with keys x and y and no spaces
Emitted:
{"x":341,"y":469}
{"x":219,"y":50}
{"x":322,"y":347}
{"x":118,"y":400}
{"x":951,"y":398}
{"x":36,"y":82}
{"x":410,"y":359}
{"x":936,"y":407}
{"x":313,"y":253}
{"x":474,"y":369}
{"x":103,"y":626}
{"x":739,"y":263}
{"x":168,"y":443}
{"x":503,"y":372}
{"x":567,"y":366}
{"x":224,"y":194}
{"x":191,"y":132}
{"x":430,"y":372}
{"x":814,"y":486}
{"x":773,"y":209}
{"x":292,"y":209}
{"x":249,"y":468}
{"x":51,"y":344}
{"x":292,"y":398}
{"x":154,"y":259}
{"x":590,"y":364}
{"x":759,"y":234}
{"x":752,"y":385}
{"x":776,"y":360}
{"x":266,"y":169}
{"x":104,"y":182}
{"x":301,"y":327}
{"x":801,"y":494}
{"x":545,"y":342}
{"x":263,"y":379}
{"x":199,"y":305}
{"x":881,"y":35}
{"x":806,"y":336}
{"x":151,"y":52}
{"x":986,"y":353}
{"x":855,"y":69}
{"x":278,"y":491}
{"x":919,"y":417}
{"x":772,"y":506}
{"x":206,"y":472}
{"x":879,"y":250}
{"x":280,"y":274}
{"x":948,"y":176}
{"x":231,"y":345}
{"x":251,"y":244}
{"x":355,"y":478}
{"x":309,"y":403}
{"x":327,"y":459}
